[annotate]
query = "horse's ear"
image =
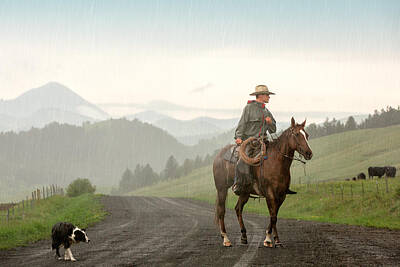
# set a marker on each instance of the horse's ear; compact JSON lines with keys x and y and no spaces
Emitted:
{"x":303,"y":124}
{"x":293,"y":122}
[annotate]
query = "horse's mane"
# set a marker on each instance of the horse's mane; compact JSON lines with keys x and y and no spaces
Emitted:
{"x":276,"y":143}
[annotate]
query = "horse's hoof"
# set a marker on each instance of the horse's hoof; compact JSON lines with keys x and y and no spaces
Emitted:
{"x":227,"y":244}
{"x":278,"y":245}
{"x":268,"y":244}
{"x":243,"y":240}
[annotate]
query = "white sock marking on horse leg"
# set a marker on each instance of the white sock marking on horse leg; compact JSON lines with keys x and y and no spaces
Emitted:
{"x":226,"y":239}
{"x":267,"y":238}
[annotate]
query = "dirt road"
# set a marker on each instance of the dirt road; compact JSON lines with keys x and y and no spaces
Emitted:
{"x":177,"y":232}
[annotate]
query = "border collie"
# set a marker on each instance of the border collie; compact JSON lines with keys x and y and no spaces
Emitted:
{"x":65,"y":234}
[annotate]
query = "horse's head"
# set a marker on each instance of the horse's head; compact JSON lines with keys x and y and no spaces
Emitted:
{"x":298,"y":139}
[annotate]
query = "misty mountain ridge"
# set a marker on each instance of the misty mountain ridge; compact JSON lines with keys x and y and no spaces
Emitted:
{"x":50,"y":102}
{"x":54,"y":102}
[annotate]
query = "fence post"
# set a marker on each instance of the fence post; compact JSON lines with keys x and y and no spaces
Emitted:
{"x":362,"y":187}
{"x":386,"y":182}
{"x":377,"y":189}
{"x":341,"y":189}
{"x":8,"y":214}
{"x":351,"y":191}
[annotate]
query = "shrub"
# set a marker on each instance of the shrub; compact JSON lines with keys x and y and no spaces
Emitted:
{"x":79,"y":187}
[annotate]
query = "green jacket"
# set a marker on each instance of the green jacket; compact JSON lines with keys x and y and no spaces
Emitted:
{"x":252,"y":120}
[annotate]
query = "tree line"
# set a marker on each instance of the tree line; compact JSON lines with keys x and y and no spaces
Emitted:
{"x":144,"y":175}
{"x":384,"y":118}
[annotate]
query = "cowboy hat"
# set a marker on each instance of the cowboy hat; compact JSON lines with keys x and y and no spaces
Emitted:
{"x":262,"y":90}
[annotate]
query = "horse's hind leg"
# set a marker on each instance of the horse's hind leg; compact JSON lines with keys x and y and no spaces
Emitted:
{"x":220,"y":215}
{"x":239,"y":211}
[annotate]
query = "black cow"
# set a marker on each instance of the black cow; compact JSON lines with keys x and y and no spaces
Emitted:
{"x":390,"y":171}
{"x":376,"y":171}
{"x":361,"y":176}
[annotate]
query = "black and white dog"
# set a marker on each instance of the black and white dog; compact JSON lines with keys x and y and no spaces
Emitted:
{"x":65,"y":234}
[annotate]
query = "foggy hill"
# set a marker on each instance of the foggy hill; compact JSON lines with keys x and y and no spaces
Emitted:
{"x":149,"y":116}
{"x":188,"y":132}
{"x":45,"y":104}
{"x":100,"y":151}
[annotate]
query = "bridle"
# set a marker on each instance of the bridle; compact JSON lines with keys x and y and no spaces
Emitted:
{"x":297,"y":148}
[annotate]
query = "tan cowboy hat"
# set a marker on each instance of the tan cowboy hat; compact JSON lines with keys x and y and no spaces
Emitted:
{"x":262,"y":90}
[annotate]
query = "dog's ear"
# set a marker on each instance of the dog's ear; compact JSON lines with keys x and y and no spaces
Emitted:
{"x":84,"y":230}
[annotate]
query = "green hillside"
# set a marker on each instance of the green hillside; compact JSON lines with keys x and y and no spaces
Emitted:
{"x":335,"y":157}
{"x":346,"y":154}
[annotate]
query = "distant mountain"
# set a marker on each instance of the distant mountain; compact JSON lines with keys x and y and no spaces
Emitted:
{"x":149,"y":116}
{"x":45,"y":104}
{"x":188,"y":132}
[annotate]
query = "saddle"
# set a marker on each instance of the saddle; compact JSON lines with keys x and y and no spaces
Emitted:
{"x":232,"y":154}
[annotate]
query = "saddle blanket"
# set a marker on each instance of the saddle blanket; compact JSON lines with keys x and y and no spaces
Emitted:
{"x":232,"y":154}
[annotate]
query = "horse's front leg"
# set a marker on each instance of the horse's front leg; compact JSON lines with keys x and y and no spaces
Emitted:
{"x":239,"y":213}
{"x":275,"y":231}
{"x":273,"y":206}
{"x":268,"y":240}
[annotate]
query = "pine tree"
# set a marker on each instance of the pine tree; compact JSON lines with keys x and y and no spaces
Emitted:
{"x":171,"y":168}
{"x":126,"y":182}
{"x":350,"y":124}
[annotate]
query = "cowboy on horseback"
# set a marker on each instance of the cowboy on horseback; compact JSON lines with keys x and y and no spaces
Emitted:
{"x":255,"y":121}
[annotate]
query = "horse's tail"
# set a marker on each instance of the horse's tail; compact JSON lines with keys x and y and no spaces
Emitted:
{"x":220,"y":179}
{"x":216,"y":211}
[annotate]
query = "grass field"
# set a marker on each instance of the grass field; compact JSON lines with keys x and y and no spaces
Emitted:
{"x":335,"y":157}
{"x":36,"y":223}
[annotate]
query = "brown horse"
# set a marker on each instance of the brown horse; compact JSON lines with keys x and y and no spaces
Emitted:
{"x":272,"y":179}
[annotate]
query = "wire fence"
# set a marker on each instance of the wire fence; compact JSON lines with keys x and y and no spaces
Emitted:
{"x":18,"y":211}
{"x":350,"y":189}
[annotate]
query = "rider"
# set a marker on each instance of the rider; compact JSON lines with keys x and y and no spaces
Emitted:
{"x":255,"y":121}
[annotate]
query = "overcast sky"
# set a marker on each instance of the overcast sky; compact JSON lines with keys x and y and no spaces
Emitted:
{"x":315,"y":55}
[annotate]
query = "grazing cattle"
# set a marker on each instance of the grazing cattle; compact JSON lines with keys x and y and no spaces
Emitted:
{"x":354,"y":178}
{"x":65,"y":234}
{"x":361,"y":176}
{"x":347,"y":179}
{"x":390,"y":171}
{"x":376,"y":171}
